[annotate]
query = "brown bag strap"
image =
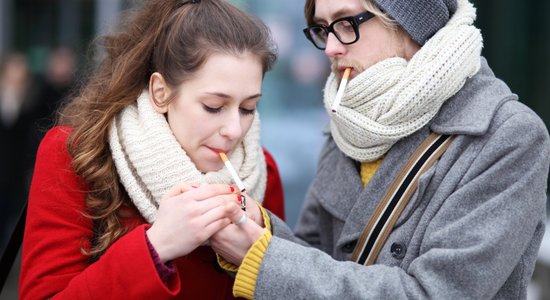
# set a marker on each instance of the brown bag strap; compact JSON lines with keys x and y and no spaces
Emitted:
{"x":396,"y":198}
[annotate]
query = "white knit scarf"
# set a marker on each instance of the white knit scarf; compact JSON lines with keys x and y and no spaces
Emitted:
{"x":149,"y":160}
{"x":394,"y":98}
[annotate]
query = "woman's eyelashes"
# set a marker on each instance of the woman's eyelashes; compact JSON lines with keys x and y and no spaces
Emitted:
{"x":212,"y":110}
{"x":215,"y":110}
{"x":246,"y":111}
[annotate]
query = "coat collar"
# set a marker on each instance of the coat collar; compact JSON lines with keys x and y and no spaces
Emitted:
{"x":471,"y":110}
{"x":363,"y":202}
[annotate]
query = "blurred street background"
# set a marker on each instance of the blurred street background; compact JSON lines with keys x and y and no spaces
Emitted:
{"x":44,"y":47}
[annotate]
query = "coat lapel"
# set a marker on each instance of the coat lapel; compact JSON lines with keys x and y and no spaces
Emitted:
{"x":368,"y":199}
{"x":339,"y":185}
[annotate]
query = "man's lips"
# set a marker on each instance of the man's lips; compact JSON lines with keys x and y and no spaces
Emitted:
{"x":341,"y":71}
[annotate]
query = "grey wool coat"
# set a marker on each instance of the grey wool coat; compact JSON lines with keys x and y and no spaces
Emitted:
{"x":471,"y":230}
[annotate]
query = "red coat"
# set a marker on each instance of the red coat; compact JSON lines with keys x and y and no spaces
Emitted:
{"x":53,"y":265}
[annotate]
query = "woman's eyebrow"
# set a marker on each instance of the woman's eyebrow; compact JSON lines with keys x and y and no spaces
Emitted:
{"x":226,"y":96}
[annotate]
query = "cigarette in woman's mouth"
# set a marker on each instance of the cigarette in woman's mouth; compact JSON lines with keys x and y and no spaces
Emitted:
{"x":233,"y":173}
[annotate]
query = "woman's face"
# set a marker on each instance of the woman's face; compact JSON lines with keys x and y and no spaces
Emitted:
{"x":215,"y":108}
{"x":376,"y":41}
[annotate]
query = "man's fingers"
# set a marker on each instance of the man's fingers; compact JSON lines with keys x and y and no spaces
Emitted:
{"x":234,"y":212}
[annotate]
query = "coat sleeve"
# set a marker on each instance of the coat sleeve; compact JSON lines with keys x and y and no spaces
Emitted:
{"x":56,"y":231}
{"x":490,"y":221}
{"x":274,"y":197}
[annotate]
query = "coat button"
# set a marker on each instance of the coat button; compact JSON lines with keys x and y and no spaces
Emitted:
{"x":348,"y":247}
{"x":398,"y":250}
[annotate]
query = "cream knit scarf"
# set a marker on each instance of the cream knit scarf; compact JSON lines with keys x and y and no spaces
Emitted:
{"x":149,"y":160}
{"x":394,"y":98}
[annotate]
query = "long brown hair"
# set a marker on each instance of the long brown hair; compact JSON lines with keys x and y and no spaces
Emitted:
{"x":173,"y":37}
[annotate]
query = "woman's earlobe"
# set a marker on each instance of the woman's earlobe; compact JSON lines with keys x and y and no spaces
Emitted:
{"x":158,"y":92}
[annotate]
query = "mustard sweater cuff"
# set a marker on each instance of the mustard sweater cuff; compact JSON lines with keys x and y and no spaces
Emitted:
{"x":245,"y":282}
{"x":265,"y":216}
{"x":228,"y":266}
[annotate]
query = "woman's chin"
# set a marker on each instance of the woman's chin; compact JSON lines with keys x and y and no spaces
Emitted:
{"x":206,"y":167}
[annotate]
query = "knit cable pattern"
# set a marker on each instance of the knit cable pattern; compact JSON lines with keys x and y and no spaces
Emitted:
{"x":394,"y":98}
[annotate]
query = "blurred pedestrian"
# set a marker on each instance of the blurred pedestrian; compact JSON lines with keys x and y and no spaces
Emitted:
{"x":17,"y":106}
{"x":57,"y":83}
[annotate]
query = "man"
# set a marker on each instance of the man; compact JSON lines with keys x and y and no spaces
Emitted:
{"x":473,"y":225}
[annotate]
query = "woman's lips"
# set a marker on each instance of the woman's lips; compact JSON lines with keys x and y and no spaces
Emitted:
{"x":218,"y":150}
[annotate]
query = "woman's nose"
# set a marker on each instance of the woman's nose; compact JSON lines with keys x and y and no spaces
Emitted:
{"x":232,"y":128}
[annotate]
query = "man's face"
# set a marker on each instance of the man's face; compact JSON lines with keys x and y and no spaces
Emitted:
{"x":376,"y":41}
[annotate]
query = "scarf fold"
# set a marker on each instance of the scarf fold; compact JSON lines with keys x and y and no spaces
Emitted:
{"x":394,"y":98}
{"x":149,"y":160}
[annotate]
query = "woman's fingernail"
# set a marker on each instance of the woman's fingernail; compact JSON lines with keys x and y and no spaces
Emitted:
{"x":231,"y":188}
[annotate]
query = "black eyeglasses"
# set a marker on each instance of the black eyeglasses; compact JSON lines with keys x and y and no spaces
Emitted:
{"x":345,"y":29}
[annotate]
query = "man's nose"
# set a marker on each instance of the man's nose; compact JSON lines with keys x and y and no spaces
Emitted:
{"x":334,"y":47}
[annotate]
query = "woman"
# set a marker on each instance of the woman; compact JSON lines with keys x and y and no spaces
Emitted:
{"x":107,"y":215}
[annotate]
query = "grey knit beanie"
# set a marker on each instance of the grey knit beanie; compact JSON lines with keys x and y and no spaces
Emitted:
{"x":420,"y":18}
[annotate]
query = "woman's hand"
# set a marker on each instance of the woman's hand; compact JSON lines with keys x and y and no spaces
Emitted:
{"x":234,"y":241}
{"x":188,"y":216}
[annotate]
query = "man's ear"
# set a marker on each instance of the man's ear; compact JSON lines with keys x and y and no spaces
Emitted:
{"x":158,"y":92}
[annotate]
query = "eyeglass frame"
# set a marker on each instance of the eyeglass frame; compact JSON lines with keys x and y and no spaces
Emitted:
{"x":355,"y":21}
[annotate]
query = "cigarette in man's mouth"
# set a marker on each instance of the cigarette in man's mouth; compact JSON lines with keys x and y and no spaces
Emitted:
{"x":233,"y":173}
{"x":341,"y":89}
